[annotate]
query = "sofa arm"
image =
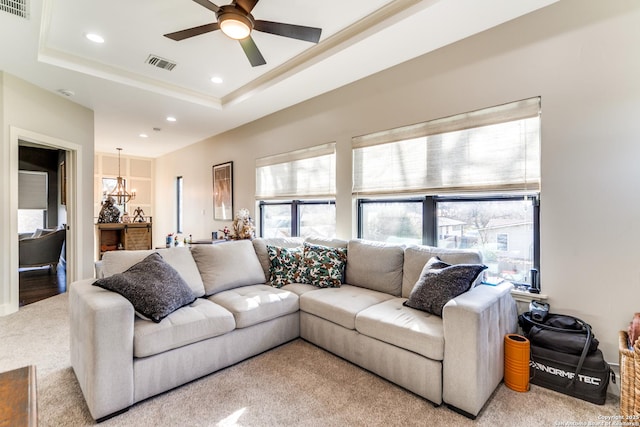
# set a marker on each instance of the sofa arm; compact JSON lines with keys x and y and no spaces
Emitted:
{"x":101,"y":328}
{"x":475,"y":324}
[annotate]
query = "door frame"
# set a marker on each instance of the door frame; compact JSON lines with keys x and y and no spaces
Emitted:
{"x":73,"y":163}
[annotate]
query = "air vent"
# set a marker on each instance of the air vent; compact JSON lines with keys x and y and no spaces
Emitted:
{"x":156,"y":61}
{"x":16,"y":7}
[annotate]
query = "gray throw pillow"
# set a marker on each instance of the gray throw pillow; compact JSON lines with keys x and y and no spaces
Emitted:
{"x":154,"y":288}
{"x":440,"y":282}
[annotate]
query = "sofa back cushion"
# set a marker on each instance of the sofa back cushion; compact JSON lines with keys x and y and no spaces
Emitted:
{"x":330,"y":243}
{"x":260,"y":247}
{"x":415,"y":258}
{"x":228,"y":265}
{"x":180,"y":259}
{"x":375,"y":265}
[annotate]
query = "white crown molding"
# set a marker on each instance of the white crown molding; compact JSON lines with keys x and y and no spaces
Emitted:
{"x":374,"y":22}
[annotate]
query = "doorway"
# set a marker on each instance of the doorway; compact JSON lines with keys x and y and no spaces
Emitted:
{"x":74,"y":267}
{"x":42,"y":222}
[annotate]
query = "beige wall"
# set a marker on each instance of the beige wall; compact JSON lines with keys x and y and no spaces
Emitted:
{"x":580,"y":56}
{"x":36,"y":115}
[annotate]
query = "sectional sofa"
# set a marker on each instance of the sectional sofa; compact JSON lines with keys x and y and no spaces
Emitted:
{"x":120,"y":358}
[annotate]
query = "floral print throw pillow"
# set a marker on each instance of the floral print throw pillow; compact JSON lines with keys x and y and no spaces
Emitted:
{"x":284,"y":265}
{"x":323,"y":266}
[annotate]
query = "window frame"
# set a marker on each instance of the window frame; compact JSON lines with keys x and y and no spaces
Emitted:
{"x":430,"y":214}
{"x":295,"y":211}
{"x":179,"y":204}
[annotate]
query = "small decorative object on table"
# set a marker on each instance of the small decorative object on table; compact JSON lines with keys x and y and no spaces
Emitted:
{"x":109,"y":212}
{"x":243,"y":226}
{"x":138,"y":215}
{"x":226,"y":232}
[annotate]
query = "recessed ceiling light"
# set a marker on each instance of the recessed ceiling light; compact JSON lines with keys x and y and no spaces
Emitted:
{"x":216,"y":80}
{"x":171,"y":119}
{"x":96,"y":38}
{"x":143,"y":135}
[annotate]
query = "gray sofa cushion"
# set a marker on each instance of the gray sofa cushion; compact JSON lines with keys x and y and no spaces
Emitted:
{"x":341,"y":305}
{"x":198,"y":321}
{"x":300,"y":288}
{"x":404,"y":327}
{"x":440,"y":282}
{"x":256,"y":304}
{"x":375,"y":265}
{"x":154,"y":288}
{"x":228,"y":265}
{"x":415,"y":257}
{"x":331,"y":243}
{"x":179,"y":258}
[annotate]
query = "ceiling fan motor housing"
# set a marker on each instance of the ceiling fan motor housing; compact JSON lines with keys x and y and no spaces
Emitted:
{"x":229,"y":13}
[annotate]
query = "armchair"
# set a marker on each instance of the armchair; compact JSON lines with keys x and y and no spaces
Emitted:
{"x":43,"y":250}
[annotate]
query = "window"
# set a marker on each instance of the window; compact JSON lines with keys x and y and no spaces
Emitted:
{"x":108,"y":186}
{"x":298,"y":218}
{"x":31,"y":219}
{"x":296,"y":192}
{"x":469,"y":181}
{"x":179,"y":204}
{"x":32,"y":200}
{"x":395,"y":221}
{"x":502,"y":241}
{"x":504,"y":228}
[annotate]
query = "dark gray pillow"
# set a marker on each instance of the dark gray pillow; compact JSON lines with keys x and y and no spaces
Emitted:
{"x":153,"y":287}
{"x":440,"y":282}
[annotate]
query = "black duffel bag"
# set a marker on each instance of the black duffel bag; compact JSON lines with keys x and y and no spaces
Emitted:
{"x":560,"y":346}
{"x":559,"y":332}
{"x":557,"y":371}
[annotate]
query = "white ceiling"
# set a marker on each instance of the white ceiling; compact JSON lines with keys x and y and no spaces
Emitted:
{"x":130,"y":97}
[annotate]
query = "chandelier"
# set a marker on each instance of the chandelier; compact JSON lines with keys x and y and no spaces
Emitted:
{"x":120,"y":193}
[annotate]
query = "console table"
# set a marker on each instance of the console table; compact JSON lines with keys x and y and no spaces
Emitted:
{"x":18,"y":405}
{"x":128,"y":236}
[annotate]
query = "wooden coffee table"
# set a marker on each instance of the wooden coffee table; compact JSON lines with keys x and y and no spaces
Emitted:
{"x":18,"y":405}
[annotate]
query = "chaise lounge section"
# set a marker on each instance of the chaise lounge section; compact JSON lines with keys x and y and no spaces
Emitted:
{"x":457,"y":358}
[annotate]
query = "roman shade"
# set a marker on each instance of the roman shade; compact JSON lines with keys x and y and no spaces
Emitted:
{"x":306,"y":173}
{"x":32,"y":190}
{"x":493,"y":149}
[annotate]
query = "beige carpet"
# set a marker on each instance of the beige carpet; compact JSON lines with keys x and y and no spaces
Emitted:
{"x":296,"y":384}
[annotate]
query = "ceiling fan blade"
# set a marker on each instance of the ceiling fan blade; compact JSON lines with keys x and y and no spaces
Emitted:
{"x":252,"y":52}
{"x":195,"y":31}
{"x":206,"y":3}
{"x":247,"y":5}
{"x":309,"y":34}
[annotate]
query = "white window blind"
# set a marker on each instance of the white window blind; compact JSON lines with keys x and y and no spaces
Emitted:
{"x":306,"y":173}
{"x":494,"y":149}
{"x":32,"y":190}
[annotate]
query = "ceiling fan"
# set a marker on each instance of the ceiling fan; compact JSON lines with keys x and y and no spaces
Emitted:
{"x":235,"y":21}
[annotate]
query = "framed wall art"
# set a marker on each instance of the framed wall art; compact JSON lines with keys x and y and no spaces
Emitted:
{"x":223,"y":191}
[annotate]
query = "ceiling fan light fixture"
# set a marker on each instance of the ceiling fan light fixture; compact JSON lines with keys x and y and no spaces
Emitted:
{"x":234,"y":24}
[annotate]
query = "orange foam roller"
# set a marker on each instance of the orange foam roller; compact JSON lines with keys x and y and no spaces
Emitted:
{"x":516,"y":362}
